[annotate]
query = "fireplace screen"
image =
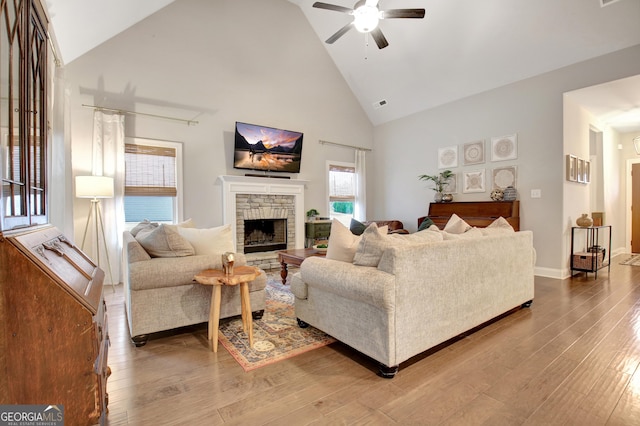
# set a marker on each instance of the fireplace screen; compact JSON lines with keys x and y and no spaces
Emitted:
{"x":265,"y":235}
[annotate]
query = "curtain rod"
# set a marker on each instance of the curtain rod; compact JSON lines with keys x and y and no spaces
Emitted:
{"x":343,"y":145}
{"x":56,"y":59}
{"x":122,"y":111}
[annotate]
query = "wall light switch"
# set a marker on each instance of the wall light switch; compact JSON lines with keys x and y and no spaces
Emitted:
{"x":536,"y":193}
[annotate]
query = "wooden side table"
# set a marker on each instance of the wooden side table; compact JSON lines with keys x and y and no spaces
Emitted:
{"x":217,"y":278}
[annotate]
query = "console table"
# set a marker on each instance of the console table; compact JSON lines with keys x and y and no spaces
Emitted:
{"x":317,"y":230}
{"x":594,"y":256}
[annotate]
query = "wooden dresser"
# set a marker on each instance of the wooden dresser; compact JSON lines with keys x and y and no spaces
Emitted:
{"x":475,"y":213}
{"x":53,"y":325}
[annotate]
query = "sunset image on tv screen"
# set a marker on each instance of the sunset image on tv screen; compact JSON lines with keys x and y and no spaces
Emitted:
{"x":267,"y":148}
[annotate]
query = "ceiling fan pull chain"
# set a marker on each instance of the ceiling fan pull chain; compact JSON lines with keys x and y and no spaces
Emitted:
{"x":366,"y":46}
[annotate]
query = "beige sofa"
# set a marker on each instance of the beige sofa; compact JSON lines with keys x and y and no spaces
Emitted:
{"x":419,"y":295}
{"x":161,"y":294}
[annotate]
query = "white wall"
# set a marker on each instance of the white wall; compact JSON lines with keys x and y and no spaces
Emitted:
{"x":256,"y":61}
{"x":533,"y":109}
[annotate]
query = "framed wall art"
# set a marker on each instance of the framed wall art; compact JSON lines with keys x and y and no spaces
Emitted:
{"x":504,"y":148}
{"x":451,"y":187}
{"x":503,"y":177}
{"x":448,"y":157}
{"x":473,"y":181}
{"x":580,"y":170}
{"x":473,"y":153}
{"x":572,"y":168}
{"x":586,"y":172}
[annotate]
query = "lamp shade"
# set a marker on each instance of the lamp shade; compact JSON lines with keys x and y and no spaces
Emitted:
{"x":94,"y":187}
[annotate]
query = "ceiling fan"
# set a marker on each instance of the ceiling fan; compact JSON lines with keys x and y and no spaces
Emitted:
{"x":366,"y":16}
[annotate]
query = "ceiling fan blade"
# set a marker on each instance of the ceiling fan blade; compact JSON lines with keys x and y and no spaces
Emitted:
{"x":379,"y":38}
{"x":402,"y":13}
{"x":335,"y":7}
{"x":339,"y":33}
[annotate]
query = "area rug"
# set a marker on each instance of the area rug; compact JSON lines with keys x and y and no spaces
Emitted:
{"x":276,"y":336}
{"x":633,"y":261}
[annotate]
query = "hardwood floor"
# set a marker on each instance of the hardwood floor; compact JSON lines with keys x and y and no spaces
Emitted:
{"x":571,"y":359}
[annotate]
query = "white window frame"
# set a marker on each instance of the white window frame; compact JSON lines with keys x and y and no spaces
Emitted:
{"x":330,"y":163}
{"x":178,"y":200}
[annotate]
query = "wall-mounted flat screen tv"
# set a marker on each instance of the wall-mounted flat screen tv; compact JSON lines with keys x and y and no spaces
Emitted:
{"x":267,"y":149}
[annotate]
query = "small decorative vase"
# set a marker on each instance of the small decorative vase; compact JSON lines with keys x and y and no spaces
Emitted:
{"x":509,"y":193}
{"x":438,"y":197}
{"x":447,"y":198}
{"x":497,"y":194}
{"x":584,"y":221}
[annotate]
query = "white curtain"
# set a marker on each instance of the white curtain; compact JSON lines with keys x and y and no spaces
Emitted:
{"x":108,"y":160}
{"x":360,"y":208}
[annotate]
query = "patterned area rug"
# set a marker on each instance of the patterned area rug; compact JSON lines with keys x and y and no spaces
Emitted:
{"x":633,"y":261}
{"x":276,"y":336}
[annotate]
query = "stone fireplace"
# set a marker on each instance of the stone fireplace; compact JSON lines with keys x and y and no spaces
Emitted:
{"x":278,"y":204}
{"x":264,"y":223}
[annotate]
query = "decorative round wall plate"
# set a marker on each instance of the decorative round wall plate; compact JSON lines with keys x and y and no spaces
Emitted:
{"x":504,"y":176}
{"x":473,"y":153}
{"x":448,"y":157}
{"x":504,"y":148}
{"x":474,"y":181}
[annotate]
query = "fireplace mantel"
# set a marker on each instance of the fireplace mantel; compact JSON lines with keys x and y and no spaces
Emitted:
{"x":232,"y":185}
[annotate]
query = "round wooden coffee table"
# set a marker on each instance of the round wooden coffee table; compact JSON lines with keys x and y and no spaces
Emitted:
{"x":217,"y":278}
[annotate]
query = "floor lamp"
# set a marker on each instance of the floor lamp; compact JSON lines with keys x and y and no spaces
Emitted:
{"x":96,"y":187}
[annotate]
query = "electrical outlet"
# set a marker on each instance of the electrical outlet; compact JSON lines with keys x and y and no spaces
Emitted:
{"x":536,"y":193}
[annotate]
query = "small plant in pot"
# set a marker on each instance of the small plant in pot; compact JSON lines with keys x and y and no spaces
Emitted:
{"x":311,"y":214}
{"x":439,"y":182}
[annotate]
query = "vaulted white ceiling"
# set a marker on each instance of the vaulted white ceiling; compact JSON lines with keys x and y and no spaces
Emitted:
{"x":460,"y":48}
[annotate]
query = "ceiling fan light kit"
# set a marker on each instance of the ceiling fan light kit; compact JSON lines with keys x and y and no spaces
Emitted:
{"x":366,"y":17}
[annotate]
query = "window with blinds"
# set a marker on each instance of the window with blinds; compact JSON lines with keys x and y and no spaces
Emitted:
{"x":150,"y":170}
{"x":342,"y":191}
{"x":152,"y":181}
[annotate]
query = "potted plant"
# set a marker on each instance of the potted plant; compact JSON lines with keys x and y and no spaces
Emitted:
{"x":311,"y":214}
{"x":439,"y":182}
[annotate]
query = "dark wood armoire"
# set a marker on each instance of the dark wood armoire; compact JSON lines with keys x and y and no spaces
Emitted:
{"x":53,"y":325}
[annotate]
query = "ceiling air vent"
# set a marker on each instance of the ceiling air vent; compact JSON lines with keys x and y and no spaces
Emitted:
{"x":379,"y":104}
{"x":604,"y":3}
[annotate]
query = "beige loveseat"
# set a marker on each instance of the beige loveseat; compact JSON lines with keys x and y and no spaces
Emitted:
{"x":161,"y":294}
{"x":418,"y":293}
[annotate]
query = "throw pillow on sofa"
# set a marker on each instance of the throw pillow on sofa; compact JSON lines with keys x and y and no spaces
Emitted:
{"x":498,"y":226}
{"x":456,"y":225}
{"x":189,"y":223}
{"x":356,"y":227}
{"x":470,"y":233}
{"x":427,"y":236}
{"x":425,"y":224}
{"x":145,"y":224}
{"x":215,"y":240}
{"x":373,"y":243}
{"x":342,"y":243}
{"x":164,"y":241}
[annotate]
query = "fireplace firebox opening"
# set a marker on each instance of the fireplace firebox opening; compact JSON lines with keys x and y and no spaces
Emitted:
{"x":265,"y":235}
